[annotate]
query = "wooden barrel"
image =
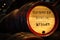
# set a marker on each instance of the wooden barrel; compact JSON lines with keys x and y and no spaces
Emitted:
{"x":40,"y":17}
{"x":24,"y":36}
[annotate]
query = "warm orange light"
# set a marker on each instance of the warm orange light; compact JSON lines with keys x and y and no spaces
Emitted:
{"x":42,"y":19}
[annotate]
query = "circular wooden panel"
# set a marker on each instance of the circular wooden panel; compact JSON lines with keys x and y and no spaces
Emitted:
{"x":41,"y":20}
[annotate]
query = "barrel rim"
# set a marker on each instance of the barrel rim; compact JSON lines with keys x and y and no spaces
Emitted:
{"x":55,"y":14}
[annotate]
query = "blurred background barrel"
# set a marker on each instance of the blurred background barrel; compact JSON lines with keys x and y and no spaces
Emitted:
{"x":24,"y":36}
